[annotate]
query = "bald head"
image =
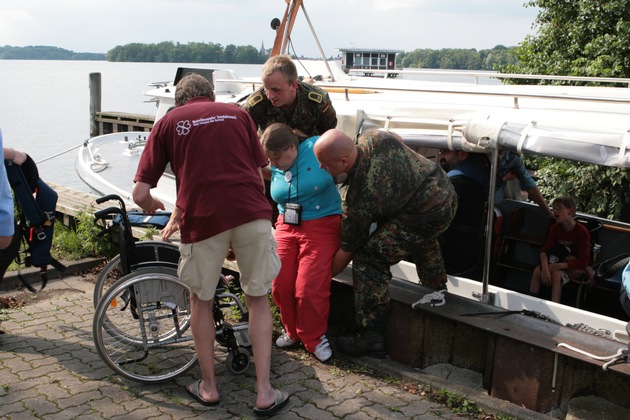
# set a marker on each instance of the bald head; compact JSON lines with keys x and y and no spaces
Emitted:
{"x":334,"y":144}
{"x":336,"y":152}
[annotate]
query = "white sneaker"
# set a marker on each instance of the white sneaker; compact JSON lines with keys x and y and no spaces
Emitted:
{"x":323,"y":351}
{"x":285,"y":341}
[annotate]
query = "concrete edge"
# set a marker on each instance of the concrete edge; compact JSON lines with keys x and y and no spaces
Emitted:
{"x":32,"y":274}
{"x":487,"y":403}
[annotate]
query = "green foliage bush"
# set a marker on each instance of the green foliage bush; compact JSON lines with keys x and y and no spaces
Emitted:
{"x":84,"y":241}
{"x":576,"y":38}
{"x":597,"y":190}
{"x":579,"y":38}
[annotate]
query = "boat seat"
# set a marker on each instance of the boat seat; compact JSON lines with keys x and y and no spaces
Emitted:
{"x":518,"y":245}
{"x":594,"y":226}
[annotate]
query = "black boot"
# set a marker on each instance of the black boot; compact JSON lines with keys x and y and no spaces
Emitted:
{"x":369,"y":342}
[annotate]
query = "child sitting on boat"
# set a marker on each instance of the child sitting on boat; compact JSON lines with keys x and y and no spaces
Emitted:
{"x":565,"y":255}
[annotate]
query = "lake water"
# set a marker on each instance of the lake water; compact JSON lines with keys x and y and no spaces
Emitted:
{"x":44,"y":105}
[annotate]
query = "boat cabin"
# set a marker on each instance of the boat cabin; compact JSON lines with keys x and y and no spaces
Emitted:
{"x":369,"y":61}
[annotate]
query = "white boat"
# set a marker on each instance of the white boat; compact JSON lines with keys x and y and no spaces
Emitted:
{"x":586,"y":124}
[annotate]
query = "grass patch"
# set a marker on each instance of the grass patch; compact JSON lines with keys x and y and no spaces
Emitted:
{"x":84,"y":241}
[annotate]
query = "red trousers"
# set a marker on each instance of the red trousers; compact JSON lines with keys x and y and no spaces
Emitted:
{"x":302,"y":288}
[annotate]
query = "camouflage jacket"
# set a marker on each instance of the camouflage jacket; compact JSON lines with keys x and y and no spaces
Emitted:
{"x":389,"y":182}
{"x":313,"y":113}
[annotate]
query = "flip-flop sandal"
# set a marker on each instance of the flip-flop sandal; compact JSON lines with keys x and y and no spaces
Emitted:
{"x":282,"y":398}
{"x":193,"y":391}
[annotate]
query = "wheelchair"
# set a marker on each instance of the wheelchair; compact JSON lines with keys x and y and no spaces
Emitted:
{"x":141,"y":325}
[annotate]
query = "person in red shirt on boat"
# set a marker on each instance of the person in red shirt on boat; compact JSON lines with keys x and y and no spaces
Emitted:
{"x":565,"y":255}
{"x":215,"y":154}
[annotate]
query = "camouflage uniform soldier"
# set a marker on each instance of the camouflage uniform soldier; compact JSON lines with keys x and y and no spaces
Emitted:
{"x":411,"y":201}
{"x":284,"y":99}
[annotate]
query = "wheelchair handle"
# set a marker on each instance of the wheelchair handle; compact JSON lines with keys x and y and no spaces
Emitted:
{"x":109,"y":197}
{"x":101,"y":214}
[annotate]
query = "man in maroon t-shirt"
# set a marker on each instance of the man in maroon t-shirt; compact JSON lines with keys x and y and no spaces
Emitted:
{"x":216,"y":157}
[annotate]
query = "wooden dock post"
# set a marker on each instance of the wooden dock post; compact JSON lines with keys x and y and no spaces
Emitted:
{"x":113,"y":122}
{"x":95,"y":102}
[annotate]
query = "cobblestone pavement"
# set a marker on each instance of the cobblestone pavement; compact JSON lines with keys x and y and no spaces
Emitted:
{"x":49,"y":368}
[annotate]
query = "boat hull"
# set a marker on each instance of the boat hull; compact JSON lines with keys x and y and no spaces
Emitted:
{"x":108,"y":163}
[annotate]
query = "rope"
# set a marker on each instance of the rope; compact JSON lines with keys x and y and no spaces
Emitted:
{"x":590,"y":330}
{"x":437,"y":297}
{"x":61,"y":153}
{"x":620,"y":355}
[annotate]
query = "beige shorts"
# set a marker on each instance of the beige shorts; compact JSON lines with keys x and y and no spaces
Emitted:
{"x":255,"y":248}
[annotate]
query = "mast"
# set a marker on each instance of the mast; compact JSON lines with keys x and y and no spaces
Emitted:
{"x":283,"y":32}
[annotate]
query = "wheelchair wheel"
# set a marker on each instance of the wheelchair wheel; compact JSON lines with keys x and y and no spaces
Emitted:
{"x":141,"y":326}
{"x":149,"y":254}
{"x":238,"y":363}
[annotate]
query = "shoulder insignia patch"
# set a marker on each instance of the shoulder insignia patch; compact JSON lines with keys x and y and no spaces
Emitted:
{"x":254,"y":100}
{"x":315,"y":97}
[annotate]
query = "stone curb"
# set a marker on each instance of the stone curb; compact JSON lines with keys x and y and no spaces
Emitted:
{"x":31,"y":274}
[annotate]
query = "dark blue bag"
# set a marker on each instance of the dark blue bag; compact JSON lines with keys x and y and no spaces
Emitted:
{"x":36,"y":203}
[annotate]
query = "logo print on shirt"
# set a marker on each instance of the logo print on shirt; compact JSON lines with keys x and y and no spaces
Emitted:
{"x":183,"y":127}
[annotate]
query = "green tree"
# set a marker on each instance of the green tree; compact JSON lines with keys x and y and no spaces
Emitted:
{"x":498,"y":56}
{"x":457,"y":58}
{"x":42,"y":52}
{"x":247,"y":54}
{"x":229,"y":54}
{"x":577,"y":38}
{"x":597,"y":190}
{"x":193,"y":52}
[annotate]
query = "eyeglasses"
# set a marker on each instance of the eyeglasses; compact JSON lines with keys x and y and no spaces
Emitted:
{"x":558,"y":208}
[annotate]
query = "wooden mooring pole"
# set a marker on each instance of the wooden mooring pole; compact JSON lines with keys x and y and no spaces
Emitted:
{"x":95,"y":102}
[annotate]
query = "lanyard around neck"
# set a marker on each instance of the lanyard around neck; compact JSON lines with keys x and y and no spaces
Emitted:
{"x":290,"y":179}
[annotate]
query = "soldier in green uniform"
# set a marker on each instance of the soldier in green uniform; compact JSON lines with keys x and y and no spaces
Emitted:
{"x":411,"y":202}
{"x":284,"y":99}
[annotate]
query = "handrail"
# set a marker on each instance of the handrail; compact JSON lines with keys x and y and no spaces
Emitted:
{"x":452,"y":90}
{"x":495,"y":75}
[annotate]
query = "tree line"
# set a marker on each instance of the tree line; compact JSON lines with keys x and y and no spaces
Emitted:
{"x":458,"y":58}
{"x":200,"y":52}
{"x":192,"y":52}
{"x":40,"y":52}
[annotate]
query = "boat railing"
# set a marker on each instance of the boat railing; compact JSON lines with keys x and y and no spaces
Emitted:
{"x":450,"y":90}
{"x":476,"y":76}
{"x":453,"y":89}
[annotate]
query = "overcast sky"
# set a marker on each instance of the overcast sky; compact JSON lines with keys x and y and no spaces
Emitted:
{"x":90,"y":26}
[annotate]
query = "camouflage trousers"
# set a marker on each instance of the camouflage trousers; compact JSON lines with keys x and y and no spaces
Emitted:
{"x":390,"y":243}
